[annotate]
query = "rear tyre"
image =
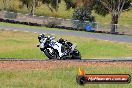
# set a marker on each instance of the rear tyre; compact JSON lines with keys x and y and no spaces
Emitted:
{"x":51,"y":55}
{"x":76,"y":55}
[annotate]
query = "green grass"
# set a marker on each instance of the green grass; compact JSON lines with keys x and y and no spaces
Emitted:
{"x":57,"y":78}
{"x":23,"y":45}
{"x":19,"y":45}
{"x":27,"y":26}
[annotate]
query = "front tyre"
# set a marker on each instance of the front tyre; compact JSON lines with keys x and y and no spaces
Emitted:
{"x":51,"y":53}
{"x":76,"y":55}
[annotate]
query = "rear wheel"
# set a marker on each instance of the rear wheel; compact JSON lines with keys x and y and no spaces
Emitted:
{"x":76,"y":55}
{"x":51,"y":53}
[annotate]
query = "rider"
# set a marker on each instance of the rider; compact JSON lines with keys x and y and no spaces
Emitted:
{"x":62,"y":41}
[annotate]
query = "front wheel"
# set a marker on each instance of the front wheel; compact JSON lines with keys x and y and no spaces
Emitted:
{"x":76,"y":55}
{"x":51,"y":53}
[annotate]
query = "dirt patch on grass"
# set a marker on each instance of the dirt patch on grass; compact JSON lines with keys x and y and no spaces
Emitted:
{"x":43,"y":65}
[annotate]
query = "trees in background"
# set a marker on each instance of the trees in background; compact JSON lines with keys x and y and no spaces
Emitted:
{"x":104,"y":7}
{"x":113,"y":7}
{"x":30,"y":4}
{"x":6,"y":4}
{"x":52,"y":4}
{"x":101,"y":7}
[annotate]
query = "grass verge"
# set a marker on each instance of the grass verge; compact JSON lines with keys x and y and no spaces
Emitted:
{"x":27,"y":26}
{"x":57,"y":78}
{"x":23,"y":45}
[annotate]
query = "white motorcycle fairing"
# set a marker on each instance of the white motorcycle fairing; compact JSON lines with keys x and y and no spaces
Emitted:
{"x":42,"y":41}
{"x":56,"y":46}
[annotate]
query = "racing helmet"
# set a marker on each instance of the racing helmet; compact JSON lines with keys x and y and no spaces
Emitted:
{"x":40,"y":36}
{"x":61,"y":40}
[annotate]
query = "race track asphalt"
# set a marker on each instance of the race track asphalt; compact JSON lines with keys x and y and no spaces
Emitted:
{"x":109,"y":37}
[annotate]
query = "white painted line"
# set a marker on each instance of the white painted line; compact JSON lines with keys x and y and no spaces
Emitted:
{"x":26,"y":31}
{"x":41,"y":16}
{"x":35,"y":32}
{"x":59,"y":18}
{"x":76,"y":20}
{"x":106,"y":40}
{"x":5,"y":11}
{"x":11,"y":12}
{"x":6,"y":29}
{"x":86,"y":21}
{"x":68,"y":19}
{"x":51,"y":17}
{"x":19,"y":13}
{"x":26,"y":14}
{"x":15,"y":30}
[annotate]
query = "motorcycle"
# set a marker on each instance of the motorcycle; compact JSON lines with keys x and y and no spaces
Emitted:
{"x":61,"y":49}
